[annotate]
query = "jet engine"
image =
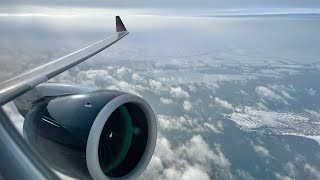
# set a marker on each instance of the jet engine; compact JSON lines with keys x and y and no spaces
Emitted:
{"x":99,"y":134}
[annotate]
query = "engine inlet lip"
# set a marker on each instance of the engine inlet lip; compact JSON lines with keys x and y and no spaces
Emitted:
{"x":96,"y":130}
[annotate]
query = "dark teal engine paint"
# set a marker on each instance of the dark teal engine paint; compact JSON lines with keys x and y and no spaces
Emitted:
{"x":58,"y":128}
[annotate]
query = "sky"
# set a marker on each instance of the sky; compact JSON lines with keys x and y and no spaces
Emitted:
{"x":185,"y":7}
{"x":173,"y":3}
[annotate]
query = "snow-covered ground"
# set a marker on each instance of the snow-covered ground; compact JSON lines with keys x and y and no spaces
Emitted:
{"x":305,"y":124}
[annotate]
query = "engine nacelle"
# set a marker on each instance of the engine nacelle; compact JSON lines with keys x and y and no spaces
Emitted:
{"x":100,"y":134}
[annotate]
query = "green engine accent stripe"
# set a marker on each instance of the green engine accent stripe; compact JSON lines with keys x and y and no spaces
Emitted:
{"x":128,"y":128}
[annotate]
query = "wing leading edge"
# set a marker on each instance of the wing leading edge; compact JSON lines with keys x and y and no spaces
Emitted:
{"x":15,"y":87}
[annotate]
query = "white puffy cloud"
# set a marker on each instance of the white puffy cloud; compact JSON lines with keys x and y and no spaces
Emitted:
{"x":223,"y":103}
{"x":187,"y":105}
{"x":261,"y":151}
{"x":178,"y":92}
{"x":110,"y":67}
{"x":192,"y":173}
{"x":172,"y":173}
{"x":98,"y":78}
{"x":157,"y":86}
{"x":212,"y":127}
{"x":166,"y":101}
{"x":123,"y":71}
{"x":102,"y":79}
{"x":137,"y":77}
{"x":291,"y":169}
{"x":193,"y":159}
{"x":126,"y":87}
{"x":197,"y":151}
{"x":168,"y":122}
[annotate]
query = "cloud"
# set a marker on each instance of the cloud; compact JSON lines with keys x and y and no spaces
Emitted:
{"x":137,"y":77}
{"x":126,"y":87}
{"x":268,"y":94}
{"x":198,"y":151}
{"x":244,"y":175}
{"x":102,"y":79}
{"x":122,"y":71}
{"x":192,"y":88}
{"x":212,"y":128}
{"x":243,"y":92}
{"x":261,"y":106}
{"x":178,"y":92}
{"x":261,"y":151}
{"x":192,"y":173}
{"x":193,"y":159}
{"x":157,"y":86}
{"x":291,"y":169}
{"x":312,"y":170}
{"x":168,"y":122}
{"x":187,"y":105}
{"x":165,"y":101}
{"x":311,"y":91}
{"x":188,"y":124}
{"x":287,"y":95}
{"x":278,"y":88}
{"x":223,"y":103}
{"x":299,"y":167}
{"x":282,"y":177}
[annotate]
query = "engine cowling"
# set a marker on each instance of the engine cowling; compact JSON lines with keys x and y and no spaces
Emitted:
{"x":100,"y":134}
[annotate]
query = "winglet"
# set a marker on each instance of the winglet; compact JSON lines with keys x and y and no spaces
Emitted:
{"x":119,"y":25}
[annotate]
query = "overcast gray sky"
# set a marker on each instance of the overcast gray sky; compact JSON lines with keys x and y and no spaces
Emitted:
{"x":173,"y":3}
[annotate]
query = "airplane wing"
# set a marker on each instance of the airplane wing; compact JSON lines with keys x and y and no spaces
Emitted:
{"x":15,"y":87}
